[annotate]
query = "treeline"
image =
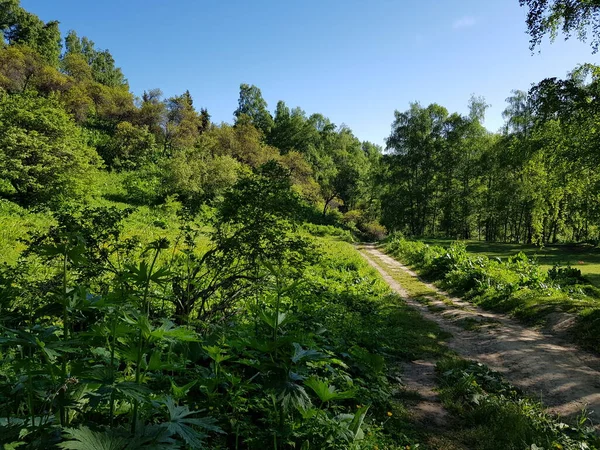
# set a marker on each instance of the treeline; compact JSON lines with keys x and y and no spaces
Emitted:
{"x":67,"y":113}
{"x":535,"y":181}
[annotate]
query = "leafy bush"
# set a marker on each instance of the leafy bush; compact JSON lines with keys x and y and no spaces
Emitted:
{"x":44,"y":155}
{"x":566,"y":275}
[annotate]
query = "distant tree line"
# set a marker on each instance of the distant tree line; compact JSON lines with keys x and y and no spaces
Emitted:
{"x":67,"y":115}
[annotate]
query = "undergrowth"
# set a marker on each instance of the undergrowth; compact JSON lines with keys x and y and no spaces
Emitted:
{"x":517,"y":286}
{"x":494,"y":415}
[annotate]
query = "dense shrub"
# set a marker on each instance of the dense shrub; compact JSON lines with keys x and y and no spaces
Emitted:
{"x":44,"y":157}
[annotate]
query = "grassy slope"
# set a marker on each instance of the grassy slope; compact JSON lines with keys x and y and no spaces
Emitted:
{"x":584,"y":257}
{"x":147,"y":223}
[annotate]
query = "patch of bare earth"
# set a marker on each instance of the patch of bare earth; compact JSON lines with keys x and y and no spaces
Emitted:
{"x":565,"y":378}
{"x":419,"y":376}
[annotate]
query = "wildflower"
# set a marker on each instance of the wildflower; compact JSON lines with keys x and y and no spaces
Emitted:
{"x":389,"y":413}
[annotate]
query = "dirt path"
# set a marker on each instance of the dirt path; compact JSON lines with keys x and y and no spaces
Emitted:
{"x":564,"y":377}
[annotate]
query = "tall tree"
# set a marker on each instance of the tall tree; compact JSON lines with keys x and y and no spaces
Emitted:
{"x":43,"y":153}
{"x":101,"y":62}
{"x":25,"y":28}
{"x":252,"y":107}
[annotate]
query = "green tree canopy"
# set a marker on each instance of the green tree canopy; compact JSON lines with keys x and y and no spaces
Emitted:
{"x":43,"y":154}
{"x":548,"y":17}
{"x":101,"y":62}
{"x":252,"y":108}
{"x":25,"y":28}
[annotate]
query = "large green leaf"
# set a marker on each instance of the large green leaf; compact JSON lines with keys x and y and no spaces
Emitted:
{"x":85,"y":439}
{"x":181,"y":423}
{"x":326,"y":392}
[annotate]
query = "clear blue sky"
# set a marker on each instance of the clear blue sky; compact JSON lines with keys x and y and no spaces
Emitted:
{"x":353,"y":61}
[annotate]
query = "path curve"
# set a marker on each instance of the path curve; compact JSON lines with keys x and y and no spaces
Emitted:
{"x":565,"y":378}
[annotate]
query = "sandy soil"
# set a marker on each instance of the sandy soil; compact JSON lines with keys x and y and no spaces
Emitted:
{"x":545,"y":366}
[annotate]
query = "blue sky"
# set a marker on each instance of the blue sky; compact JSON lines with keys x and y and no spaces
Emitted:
{"x":354,"y":61}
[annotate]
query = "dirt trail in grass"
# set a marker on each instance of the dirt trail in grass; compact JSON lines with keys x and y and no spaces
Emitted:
{"x":546,"y":367}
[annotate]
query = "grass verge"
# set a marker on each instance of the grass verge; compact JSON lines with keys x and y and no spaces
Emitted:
{"x":494,"y":415}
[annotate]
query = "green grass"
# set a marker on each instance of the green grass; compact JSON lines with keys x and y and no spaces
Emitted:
{"x":581,"y":256}
{"x":146,"y":223}
{"x":494,"y":415}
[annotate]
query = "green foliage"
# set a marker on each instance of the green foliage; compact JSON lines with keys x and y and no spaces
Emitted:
{"x":130,"y":147}
{"x":95,"y":354}
{"x":196,"y":176}
{"x":517,"y":285}
{"x":252,"y":108}
{"x":101,"y":63}
{"x":25,"y":28}
{"x":497,"y":416}
{"x":44,"y":156}
{"x":549,"y":16}
{"x":263,"y":210}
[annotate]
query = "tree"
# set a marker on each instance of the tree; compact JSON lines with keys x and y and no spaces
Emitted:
{"x":257,"y":216}
{"x":22,"y":27}
{"x":101,"y":62}
{"x":579,"y":17}
{"x":8,"y":10}
{"x":182,"y":125}
{"x":19,"y":67}
{"x":130,"y":147}
{"x":152,"y":113}
{"x":416,"y":142}
{"x":196,"y":176}
{"x":252,"y":108}
{"x":519,"y":113}
{"x":292,"y":130}
{"x":43,"y":154}
{"x":242,"y":142}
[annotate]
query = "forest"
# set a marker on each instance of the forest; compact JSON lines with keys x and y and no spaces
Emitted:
{"x":168,"y":282}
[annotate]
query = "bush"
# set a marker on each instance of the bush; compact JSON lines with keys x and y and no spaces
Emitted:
{"x":566,"y":275}
{"x":328,"y":230}
{"x":498,"y":414}
{"x":373,"y":231}
{"x":144,"y":186}
{"x":44,"y":155}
